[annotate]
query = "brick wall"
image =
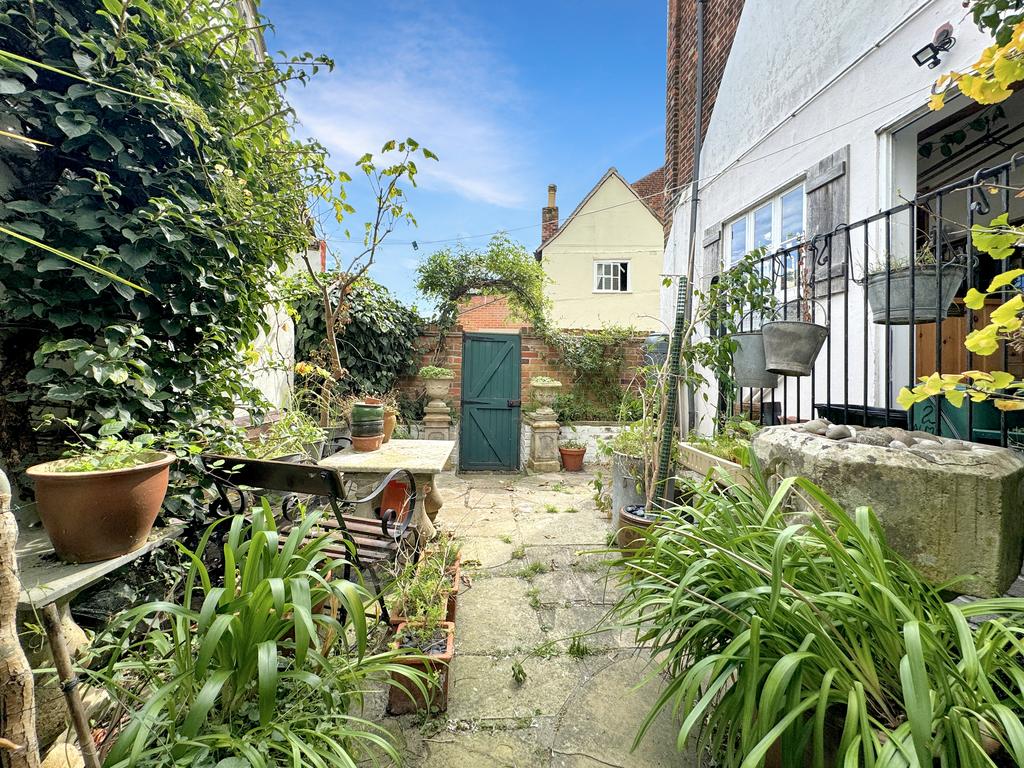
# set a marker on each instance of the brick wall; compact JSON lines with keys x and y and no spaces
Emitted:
{"x":481,"y":313}
{"x":720,"y":20}
{"x":538,"y":358}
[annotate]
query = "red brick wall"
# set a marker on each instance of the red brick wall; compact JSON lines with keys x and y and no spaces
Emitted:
{"x":538,"y":359}
{"x":481,"y":313}
{"x":720,"y":20}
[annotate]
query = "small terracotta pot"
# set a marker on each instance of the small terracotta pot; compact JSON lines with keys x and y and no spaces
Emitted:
{"x":373,"y":401}
{"x":367,"y":444}
{"x":572,"y":458}
{"x":390,"y":422}
{"x":401,"y":702}
{"x":100,"y":515}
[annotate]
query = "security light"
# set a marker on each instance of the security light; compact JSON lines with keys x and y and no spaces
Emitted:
{"x":943,"y":41}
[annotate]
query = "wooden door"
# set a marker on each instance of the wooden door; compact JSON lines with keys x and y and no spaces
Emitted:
{"x":489,"y":431}
{"x":954,"y":354}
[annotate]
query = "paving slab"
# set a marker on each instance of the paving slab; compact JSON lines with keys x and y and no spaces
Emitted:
{"x":495,"y":618}
{"x":484,"y":688}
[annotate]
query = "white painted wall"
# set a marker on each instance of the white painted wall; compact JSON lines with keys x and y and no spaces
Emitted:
{"x":612,"y":225}
{"x":805,"y":78}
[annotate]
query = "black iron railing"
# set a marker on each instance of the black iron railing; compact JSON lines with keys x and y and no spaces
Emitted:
{"x":890,"y":290}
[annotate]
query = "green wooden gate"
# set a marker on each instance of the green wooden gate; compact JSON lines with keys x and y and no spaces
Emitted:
{"x":489,"y":432}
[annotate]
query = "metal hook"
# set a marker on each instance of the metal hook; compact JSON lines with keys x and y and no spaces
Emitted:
{"x":1016,"y":159}
{"x":981,"y":206}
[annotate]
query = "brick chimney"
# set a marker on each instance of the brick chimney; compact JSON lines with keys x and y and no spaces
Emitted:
{"x":549,"y":216}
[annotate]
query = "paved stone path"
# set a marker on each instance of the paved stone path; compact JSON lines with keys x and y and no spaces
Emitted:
{"x":531,"y":590}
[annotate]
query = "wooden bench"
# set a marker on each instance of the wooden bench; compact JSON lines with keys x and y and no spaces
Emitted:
{"x":367,"y":543}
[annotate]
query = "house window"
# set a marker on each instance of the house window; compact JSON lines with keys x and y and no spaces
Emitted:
{"x":611,"y":276}
{"x":774,"y":225}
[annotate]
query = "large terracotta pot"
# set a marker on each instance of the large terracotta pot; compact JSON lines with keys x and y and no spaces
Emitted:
{"x":99,"y":515}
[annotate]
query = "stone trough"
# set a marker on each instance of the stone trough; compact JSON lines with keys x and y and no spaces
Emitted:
{"x":953,"y":508}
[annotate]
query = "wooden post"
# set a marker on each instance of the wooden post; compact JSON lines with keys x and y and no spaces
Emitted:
{"x":18,"y":746}
{"x":69,"y":684}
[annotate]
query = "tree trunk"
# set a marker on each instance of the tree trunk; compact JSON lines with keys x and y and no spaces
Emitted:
{"x":18,"y":748}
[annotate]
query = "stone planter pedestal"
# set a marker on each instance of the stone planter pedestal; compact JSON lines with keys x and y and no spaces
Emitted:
{"x":437,"y":418}
{"x":544,"y":429}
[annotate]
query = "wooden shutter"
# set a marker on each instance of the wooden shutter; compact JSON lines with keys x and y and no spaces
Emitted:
{"x":827,"y":191}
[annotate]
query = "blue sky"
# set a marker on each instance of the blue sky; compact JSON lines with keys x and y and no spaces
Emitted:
{"x":511,"y":96}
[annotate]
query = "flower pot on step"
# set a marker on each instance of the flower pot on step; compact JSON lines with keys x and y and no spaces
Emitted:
{"x":572,"y":458}
{"x":405,"y":697}
{"x":99,"y":515}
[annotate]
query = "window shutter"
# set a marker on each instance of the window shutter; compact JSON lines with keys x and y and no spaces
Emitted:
{"x":828,"y":205}
{"x":713,"y":249}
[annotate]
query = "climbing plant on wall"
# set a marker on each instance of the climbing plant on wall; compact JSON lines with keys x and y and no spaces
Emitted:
{"x":160,"y":150}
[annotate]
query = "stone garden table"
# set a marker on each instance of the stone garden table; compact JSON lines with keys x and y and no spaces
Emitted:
{"x":425,"y":460}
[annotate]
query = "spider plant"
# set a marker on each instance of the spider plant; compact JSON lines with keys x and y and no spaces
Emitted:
{"x":804,"y":634}
{"x":246,"y":668}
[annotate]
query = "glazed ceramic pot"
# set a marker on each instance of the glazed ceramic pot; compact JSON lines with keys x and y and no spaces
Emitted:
{"x":99,"y":515}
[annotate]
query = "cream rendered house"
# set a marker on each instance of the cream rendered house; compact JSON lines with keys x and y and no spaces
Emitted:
{"x":604,"y":262}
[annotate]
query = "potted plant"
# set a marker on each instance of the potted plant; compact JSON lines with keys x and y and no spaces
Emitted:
{"x":100,"y":501}
{"x":434,"y":642}
{"x":748,"y":363}
{"x":572,"y":452}
{"x":294,"y":436}
{"x":792,"y":342}
{"x":436,"y":381}
{"x":935,"y":288}
{"x":545,"y":390}
{"x":367,"y":424}
{"x":634,"y":521}
{"x":421,"y":605}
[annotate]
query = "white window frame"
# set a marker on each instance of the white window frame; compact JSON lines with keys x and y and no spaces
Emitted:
{"x":748,"y":217}
{"x":615,"y":262}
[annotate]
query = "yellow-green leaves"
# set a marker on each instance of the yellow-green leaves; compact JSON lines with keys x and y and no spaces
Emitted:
{"x":990,"y":79}
{"x":956,"y":387}
{"x":1003,"y":279}
{"x":984,"y":341}
{"x":975,"y":299}
{"x":997,"y":238}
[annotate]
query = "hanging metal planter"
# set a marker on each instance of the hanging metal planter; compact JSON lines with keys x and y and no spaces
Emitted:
{"x":892,"y":307}
{"x":791,"y":346}
{"x":748,"y":361}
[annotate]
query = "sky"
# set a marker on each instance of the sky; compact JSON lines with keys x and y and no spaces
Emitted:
{"x":511,"y":96}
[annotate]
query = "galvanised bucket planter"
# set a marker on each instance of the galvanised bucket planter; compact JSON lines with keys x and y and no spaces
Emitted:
{"x":792,"y":346}
{"x":929,"y":304}
{"x":748,"y":362}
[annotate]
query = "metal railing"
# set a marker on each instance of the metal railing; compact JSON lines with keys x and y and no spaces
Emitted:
{"x":890,"y":288}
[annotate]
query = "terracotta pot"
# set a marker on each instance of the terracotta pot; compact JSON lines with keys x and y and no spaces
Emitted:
{"x":99,"y":515}
{"x":367,"y":444}
{"x":390,"y":422}
{"x":572,"y":458}
{"x":373,"y":401}
{"x":401,"y":702}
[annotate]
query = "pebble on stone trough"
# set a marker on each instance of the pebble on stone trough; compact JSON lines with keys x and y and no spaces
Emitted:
{"x":886,"y":437}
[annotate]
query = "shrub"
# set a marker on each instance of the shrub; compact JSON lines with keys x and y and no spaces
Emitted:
{"x":377,"y":343}
{"x":769,"y":629}
{"x":245,"y":667}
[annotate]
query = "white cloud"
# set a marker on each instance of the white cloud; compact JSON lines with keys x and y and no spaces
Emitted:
{"x":428,"y":78}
